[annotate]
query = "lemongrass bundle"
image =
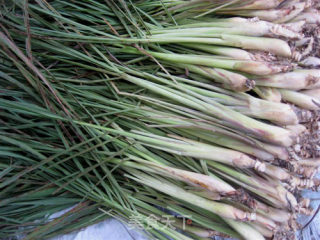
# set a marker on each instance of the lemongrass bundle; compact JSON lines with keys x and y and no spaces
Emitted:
{"x":112,"y":104}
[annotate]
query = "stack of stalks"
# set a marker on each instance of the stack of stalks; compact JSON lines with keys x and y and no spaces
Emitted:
{"x":156,"y":111}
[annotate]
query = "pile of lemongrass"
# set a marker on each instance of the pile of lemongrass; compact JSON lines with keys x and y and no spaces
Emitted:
{"x":200,"y":109}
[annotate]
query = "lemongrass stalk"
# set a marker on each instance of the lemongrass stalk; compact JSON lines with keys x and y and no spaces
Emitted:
{"x":218,"y":136}
{"x":277,"y":151}
{"x":223,"y":138}
{"x":275,"y":214}
{"x":272,"y":191}
{"x":244,"y":180}
{"x":203,"y":32}
{"x":310,"y":15}
{"x":277,"y":172}
{"x":268,"y":93}
{"x":302,"y":100}
{"x":204,"y":218}
{"x":230,"y":80}
{"x":267,"y":132}
{"x":314,"y":93}
{"x":272,"y":45}
{"x":215,"y":93}
{"x":252,"y":67}
{"x":241,"y":144}
{"x":281,"y":15}
{"x":279,"y":113}
{"x":263,"y":230}
{"x":233,"y":53}
{"x":298,"y":129}
{"x":221,"y":209}
{"x":232,"y":143}
{"x":296,"y":80}
{"x":206,"y":194}
{"x":253,"y":147}
{"x":240,"y":26}
{"x":210,"y":183}
{"x":214,"y":193}
{"x":213,"y":32}
{"x":265,"y":221}
{"x":186,"y":147}
{"x":245,"y":230}
{"x":201,"y":150}
{"x":286,"y":197}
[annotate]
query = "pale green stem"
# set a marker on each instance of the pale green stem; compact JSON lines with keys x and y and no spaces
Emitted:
{"x":245,"y":230}
{"x":268,"y":132}
{"x":229,"y":80}
{"x":314,"y":93}
{"x":221,"y":209}
{"x":272,"y":45}
{"x":233,"y":53}
{"x":296,"y":80}
{"x":268,"y":93}
{"x":279,"y":113}
{"x":273,"y":15}
{"x":300,"y":99}
{"x":272,"y":191}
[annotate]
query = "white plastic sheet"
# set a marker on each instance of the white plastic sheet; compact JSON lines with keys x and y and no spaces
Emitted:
{"x":110,"y":229}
